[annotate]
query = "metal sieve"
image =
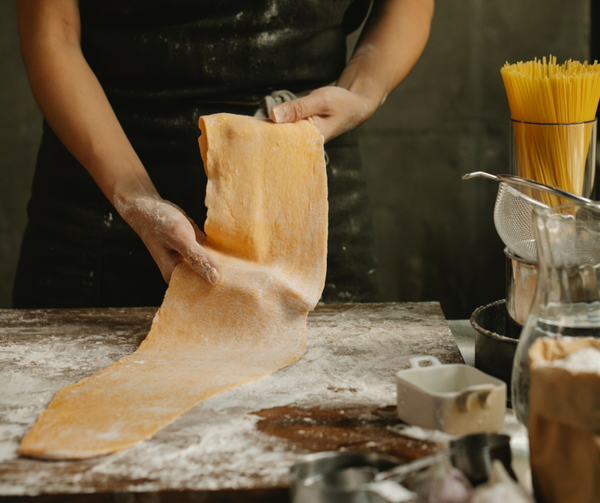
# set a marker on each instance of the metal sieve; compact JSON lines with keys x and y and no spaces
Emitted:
{"x":514,"y":208}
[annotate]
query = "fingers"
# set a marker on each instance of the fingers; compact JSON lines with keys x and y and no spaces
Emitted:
{"x":200,"y":236}
{"x":326,"y":127}
{"x":199,"y":259}
{"x":202,"y":262}
{"x":316,"y":103}
{"x":171,"y":236}
{"x":333,"y":109}
{"x":196,"y":256}
{"x":180,"y":244}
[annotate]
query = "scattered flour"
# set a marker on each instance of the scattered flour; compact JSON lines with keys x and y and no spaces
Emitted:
{"x":8,"y":450}
{"x":216,"y":444}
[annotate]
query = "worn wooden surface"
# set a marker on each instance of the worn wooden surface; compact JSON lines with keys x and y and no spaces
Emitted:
{"x":339,"y":396}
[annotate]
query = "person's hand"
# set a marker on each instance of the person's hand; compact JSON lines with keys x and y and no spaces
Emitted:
{"x":374,"y":70}
{"x":169,"y":234}
{"x":335,"y":110}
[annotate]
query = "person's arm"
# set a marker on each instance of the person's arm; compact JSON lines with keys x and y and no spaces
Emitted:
{"x":74,"y":104}
{"x":390,"y":45}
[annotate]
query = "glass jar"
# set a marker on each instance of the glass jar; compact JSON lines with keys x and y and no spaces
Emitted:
{"x":560,"y":155}
{"x":567,"y":297}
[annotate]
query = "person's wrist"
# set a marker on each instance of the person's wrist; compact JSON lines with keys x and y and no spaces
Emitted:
{"x":371,"y":103}
{"x":363,"y":80}
{"x":133,"y":203}
{"x":371,"y":95}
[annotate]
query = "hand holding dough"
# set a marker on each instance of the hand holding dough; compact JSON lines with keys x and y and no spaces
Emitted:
{"x":169,"y":234}
{"x":267,"y":228}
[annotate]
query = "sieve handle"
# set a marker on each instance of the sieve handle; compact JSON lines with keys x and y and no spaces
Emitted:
{"x":400,"y":472}
{"x":517,"y":180}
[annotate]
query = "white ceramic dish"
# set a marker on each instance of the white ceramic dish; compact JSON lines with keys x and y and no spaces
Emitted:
{"x":455,"y":399}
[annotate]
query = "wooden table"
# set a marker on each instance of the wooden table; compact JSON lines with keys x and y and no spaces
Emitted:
{"x":237,"y":445}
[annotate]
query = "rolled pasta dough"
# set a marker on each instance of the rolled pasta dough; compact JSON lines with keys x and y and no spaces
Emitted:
{"x":267,"y":228}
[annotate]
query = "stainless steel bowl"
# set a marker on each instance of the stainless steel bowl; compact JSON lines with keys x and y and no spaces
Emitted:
{"x":303,"y":473}
{"x":521,"y":280}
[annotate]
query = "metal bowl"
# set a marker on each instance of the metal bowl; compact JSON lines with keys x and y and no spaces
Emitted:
{"x":521,"y":281}
{"x":312,"y":465}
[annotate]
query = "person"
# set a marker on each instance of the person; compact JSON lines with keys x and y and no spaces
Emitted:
{"x":119,"y":180}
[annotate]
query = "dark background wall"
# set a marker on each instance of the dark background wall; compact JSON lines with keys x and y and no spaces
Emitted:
{"x":435,"y":234}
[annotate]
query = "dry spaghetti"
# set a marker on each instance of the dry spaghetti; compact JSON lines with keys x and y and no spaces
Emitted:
{"x":553,"y":108}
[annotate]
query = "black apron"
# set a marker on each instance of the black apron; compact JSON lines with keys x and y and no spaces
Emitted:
{"x":162,"y":65}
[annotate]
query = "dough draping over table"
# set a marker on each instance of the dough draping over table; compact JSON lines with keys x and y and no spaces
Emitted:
{"x":267,"y":228}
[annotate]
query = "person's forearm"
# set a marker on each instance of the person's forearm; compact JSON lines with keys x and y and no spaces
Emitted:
{"x":74,"y":104}
{"x":390,"y":45}
{"x":393,"y":40}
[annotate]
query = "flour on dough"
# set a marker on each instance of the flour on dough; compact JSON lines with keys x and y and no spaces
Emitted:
{"x":267,"y":228}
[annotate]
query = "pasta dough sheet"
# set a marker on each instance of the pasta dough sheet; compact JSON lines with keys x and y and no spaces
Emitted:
{"x":267,"y":227}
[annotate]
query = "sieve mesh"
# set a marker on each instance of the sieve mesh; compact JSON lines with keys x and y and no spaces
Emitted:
{"x":513,"y":215}
{"x":516,"y":201}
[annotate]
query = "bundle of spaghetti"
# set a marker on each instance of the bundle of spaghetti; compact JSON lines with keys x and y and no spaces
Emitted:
{"x":553,"y":108}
